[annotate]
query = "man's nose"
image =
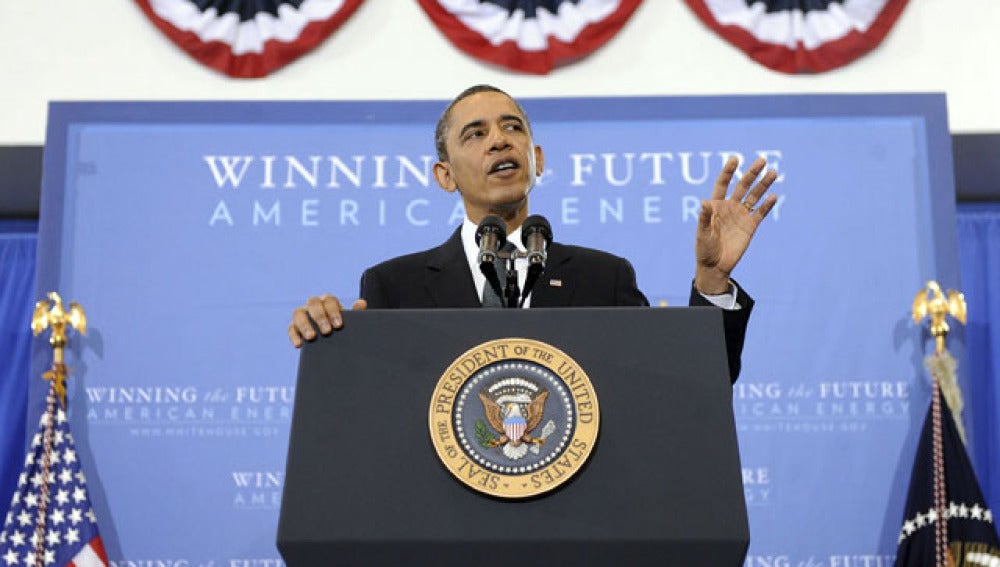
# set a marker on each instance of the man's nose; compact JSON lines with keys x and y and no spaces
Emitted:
{"x":498,"y":139}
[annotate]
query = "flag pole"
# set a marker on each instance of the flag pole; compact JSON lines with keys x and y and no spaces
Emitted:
{"x":932,"y":303}
{"x":51,"y":314}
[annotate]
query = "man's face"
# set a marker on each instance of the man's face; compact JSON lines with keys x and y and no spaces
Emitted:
{"x":492,"y":160}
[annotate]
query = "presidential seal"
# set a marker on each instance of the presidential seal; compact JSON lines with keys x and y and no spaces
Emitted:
{"x":514,"y":418}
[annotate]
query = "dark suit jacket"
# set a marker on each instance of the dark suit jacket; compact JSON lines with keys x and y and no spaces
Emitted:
{"x":440,"y":277}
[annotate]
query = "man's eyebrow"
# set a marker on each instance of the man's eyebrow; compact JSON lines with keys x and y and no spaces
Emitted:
{"x":470,"y":126}
{"x":480,"y":123}
{"x":512,"y":117}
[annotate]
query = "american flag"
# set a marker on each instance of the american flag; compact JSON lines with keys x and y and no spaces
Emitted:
{"x":945,"y":510}
{"x":801,"y":36}
{"x":51,"y":521}
{"x":529,"y":35}
{"x":247,"y":38}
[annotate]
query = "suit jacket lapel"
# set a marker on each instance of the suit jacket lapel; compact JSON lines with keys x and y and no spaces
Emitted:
{"x":448,"y":279}
{"x":555,"y":287}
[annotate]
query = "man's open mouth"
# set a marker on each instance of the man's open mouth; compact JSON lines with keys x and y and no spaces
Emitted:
{"x":504,"y":165}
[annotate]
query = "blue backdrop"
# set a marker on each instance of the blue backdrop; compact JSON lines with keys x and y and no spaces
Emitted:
{"x":190,"y":231}
{"x":18,"y":241}
{"x":979,"y":254}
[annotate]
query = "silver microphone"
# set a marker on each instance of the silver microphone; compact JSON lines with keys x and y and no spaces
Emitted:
{"x":490,"y":236}
{"x":536,"y":234}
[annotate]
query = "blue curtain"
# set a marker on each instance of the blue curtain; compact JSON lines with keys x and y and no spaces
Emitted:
{"x":17,"y":290}
{"x":979,"y":261}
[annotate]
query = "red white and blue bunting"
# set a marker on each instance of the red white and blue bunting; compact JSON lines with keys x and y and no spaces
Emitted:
{"x":801,"y":36}
{"x":247,"y":38}
{"x":533,"y":36}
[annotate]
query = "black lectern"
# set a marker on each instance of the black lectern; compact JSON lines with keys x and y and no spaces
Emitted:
{"x":364,"y":486}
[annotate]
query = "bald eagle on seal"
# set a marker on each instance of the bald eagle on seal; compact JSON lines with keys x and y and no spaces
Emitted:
{"x":514,"y":419}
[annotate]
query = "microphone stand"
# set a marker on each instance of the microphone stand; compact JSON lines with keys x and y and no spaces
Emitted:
{"x":534,"y":272}
{"x":511,"y":291}
{"x":512,"y":295}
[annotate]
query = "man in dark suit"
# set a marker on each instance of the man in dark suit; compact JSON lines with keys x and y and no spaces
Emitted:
{"x":486,"y":153}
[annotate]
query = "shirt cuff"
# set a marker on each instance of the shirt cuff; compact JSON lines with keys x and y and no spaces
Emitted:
{"x":727,"y":300}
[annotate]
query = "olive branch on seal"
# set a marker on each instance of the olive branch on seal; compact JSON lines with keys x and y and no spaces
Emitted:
{"x":483,"y":434}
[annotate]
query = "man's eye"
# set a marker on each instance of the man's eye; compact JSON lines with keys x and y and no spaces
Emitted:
{"x":514,"y":126}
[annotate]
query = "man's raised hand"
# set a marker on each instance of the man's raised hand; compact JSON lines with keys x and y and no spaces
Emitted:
{"x":726,"y":225}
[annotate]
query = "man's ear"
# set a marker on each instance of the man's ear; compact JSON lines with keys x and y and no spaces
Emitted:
{"x":442,"y":174}
{"x":539,"y":161}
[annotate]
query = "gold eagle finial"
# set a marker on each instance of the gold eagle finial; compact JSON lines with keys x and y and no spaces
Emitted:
{"x":932,"y":302}
{"x":51,"y":314}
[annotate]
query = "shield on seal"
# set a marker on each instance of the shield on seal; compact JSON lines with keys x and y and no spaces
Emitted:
{"x":513,"y":427}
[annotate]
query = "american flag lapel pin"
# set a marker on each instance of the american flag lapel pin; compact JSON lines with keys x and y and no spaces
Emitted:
{"x":555,"y":283}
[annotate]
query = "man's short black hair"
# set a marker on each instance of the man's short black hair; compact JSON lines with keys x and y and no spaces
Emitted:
{"x":441,"y":131}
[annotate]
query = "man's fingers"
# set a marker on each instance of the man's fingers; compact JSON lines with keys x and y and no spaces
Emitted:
{"x":331,"y":313}
{"x":301,"y":327}
{"x":761,"y":187}
{"x":294,"y":336}
{"x":705,"y":217}
{"x":766,"y":207}
{"x":325,"y":311}
{"x":725,"y":176}
{"x":743,"y":185}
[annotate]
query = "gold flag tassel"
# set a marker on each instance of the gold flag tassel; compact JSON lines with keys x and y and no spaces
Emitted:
{"x":50,"y":314}
{"x":931,"y":302}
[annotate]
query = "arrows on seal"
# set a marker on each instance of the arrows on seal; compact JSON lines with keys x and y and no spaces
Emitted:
{"x":549,"y":429}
